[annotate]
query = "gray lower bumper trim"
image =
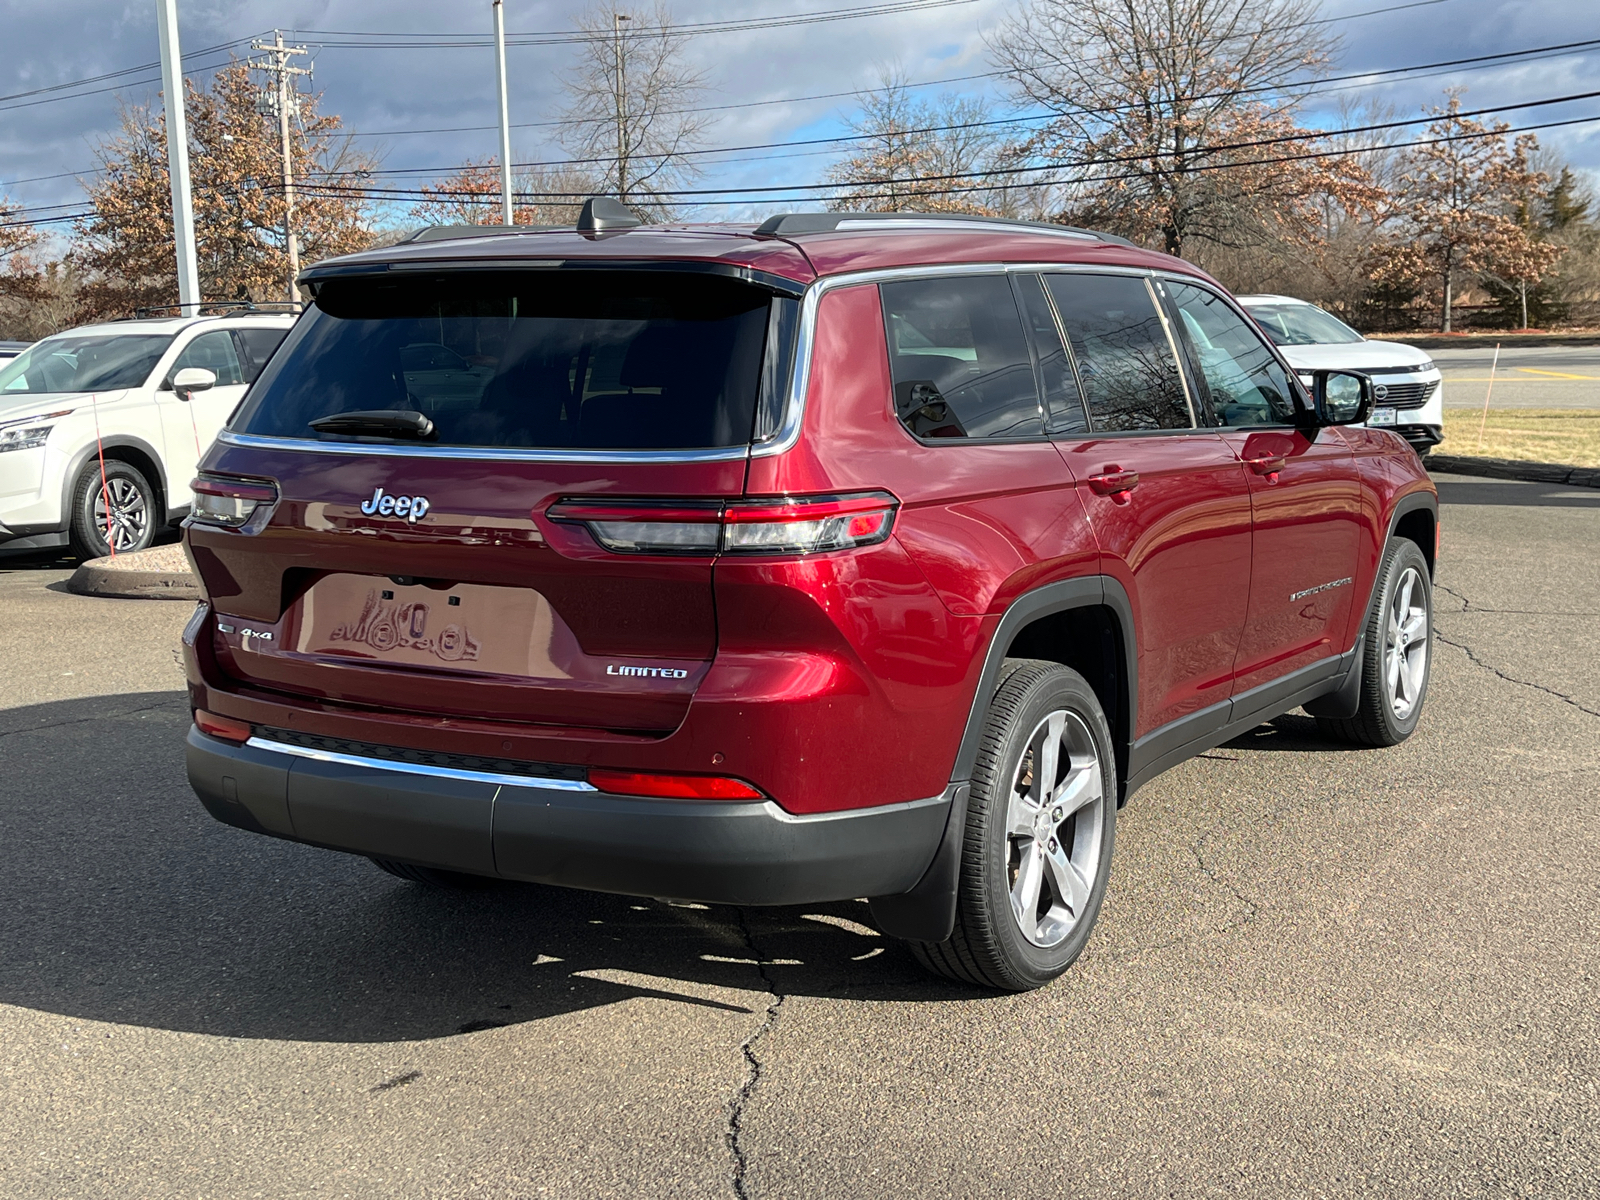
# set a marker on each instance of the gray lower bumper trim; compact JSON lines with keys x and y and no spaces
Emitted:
{"x":518,"y":828}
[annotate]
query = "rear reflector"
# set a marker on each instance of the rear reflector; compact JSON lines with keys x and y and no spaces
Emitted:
{"x":673,"y":787}
{"x":225,"y":728}
{"x":783,"y":525}
{"x":219,"y":500}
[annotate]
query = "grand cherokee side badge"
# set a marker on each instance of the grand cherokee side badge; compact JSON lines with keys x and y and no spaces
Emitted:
{"x":412,"y":508}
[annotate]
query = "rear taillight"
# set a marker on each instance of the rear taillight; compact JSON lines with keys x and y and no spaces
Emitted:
{"x":647,"y":527}
{"x":673,"y":787}
{"x":226,"y":728}
{"x":780,"y":525}
{"x":219,"y":500}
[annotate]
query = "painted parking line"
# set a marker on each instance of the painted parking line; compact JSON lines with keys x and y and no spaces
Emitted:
{"x":1555,"y":374}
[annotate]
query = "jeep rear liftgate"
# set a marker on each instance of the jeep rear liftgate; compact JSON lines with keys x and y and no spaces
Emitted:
{"x":399,"y":518}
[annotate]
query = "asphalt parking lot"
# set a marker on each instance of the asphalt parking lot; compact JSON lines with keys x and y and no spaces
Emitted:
{"x":1525,"y":377}
{"x":1319,"y":972}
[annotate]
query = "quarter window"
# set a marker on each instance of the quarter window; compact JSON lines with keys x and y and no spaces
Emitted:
{"x":1125,"y":358}
{"x":1246,"y":382}
{"x":960,"y":359}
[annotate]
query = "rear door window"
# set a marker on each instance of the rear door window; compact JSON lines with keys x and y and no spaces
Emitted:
{"x":1247,"y":384}
{"x":1125,"y":357}
{"x":611,"y":360}
{"x":959,"y":358}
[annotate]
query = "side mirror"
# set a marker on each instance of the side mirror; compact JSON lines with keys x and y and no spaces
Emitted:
{"x":1343,"y":397}
{"x":191,"y":380}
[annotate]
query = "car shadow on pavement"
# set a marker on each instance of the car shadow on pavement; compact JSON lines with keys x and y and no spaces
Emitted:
{"x":122,"y":900}
{"x":1515,"y":494}
{"x":1292,"y":731}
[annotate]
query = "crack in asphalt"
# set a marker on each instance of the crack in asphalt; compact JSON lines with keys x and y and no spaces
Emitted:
{"x":1251,"y":908}
{"x":741,"y":1099}
{"x":1467,"y":607}
{"x":80,"y":720}
{"x":1472,"y":656}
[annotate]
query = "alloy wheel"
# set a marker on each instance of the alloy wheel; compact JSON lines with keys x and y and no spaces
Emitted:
{"x":130,"y":514}
{"x":1406,"y":643}
{"x":1054,"y":823}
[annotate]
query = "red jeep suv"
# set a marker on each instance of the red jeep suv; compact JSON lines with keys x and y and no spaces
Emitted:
{"x":847,"y":555}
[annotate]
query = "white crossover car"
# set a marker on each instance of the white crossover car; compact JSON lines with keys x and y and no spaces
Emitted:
{"x":1407,"y":395}
{"x":97,"y":448}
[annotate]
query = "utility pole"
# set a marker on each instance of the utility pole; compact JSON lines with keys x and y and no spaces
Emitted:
{"x":621,"y":94}
{"x":277,"y":64}
{"x":178,"y":157}
{"x":505,"y":112}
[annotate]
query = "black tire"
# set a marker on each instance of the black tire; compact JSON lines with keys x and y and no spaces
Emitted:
{"x":1391,"y":704}
{"x":434,"y":876}
{"x":989,"y":946}
{"x":139,"y":517}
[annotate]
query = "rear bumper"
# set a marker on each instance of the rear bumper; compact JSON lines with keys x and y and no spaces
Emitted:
{"x":549,"y":832}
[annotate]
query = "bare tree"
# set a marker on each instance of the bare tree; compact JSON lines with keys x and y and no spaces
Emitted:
{"x":1169,"y":117}
{"x":628,"y":97}
{"x":922,"y":156}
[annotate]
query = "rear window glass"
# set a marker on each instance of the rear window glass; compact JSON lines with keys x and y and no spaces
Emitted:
{"x":548,"y":359}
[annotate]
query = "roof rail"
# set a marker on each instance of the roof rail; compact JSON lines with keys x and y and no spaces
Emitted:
{"x":213,"y":308}
{"x":789,"y":224}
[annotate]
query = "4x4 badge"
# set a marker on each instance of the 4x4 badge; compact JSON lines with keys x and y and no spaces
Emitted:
{"x":412,"y":508}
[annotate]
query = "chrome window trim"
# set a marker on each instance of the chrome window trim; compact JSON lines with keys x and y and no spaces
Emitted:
{"x":788,"y":432}
{"x":408,"y":768}
{"x":254,"y":441}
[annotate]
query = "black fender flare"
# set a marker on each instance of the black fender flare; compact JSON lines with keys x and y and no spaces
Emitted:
{"x":927,"y":913}
{"x":113,"y":441}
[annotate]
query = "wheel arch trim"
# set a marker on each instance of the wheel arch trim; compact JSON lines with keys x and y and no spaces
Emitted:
{"x":1084,"y":591}
{"x":115,"y":441}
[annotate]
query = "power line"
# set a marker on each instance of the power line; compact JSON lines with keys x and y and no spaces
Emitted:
{"x":949,"y":191}
{"x":564,"y":37}
{"x":155,"y":66}
{"x":1197,"y":153}
{"x":1001,"y":121}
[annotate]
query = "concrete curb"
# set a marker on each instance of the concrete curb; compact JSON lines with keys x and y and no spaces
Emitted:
{"x":98,"y":578}
{"x":1510,"y":468}
{"x":1485,"y":341}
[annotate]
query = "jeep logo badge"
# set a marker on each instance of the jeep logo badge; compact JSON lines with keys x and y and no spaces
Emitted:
{"x":412,"y":508}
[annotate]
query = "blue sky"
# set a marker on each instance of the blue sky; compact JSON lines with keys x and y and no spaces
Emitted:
{"x":382,"y":92}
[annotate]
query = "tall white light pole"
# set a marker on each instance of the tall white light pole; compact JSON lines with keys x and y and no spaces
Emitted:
{"x":178,"y":156}
{"x":505,"y":112}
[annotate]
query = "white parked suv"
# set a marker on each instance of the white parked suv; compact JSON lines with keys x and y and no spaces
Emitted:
{"x":105,"y":393}
{"x":1407,"y":392}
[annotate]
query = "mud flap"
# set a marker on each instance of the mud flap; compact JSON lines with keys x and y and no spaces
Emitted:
{"x":927,"y":913}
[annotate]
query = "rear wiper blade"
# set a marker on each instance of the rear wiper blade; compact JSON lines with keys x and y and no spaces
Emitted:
{"x":377,"y":422}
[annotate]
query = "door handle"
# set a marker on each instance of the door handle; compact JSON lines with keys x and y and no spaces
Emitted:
{"x":1268,"y":467}
{"x":1114,"y":482}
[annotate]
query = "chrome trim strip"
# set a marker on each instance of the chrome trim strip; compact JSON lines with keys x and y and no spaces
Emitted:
{"x":800,"y":379}
{"x":254,"y":441}
{"x":406,"y":768}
